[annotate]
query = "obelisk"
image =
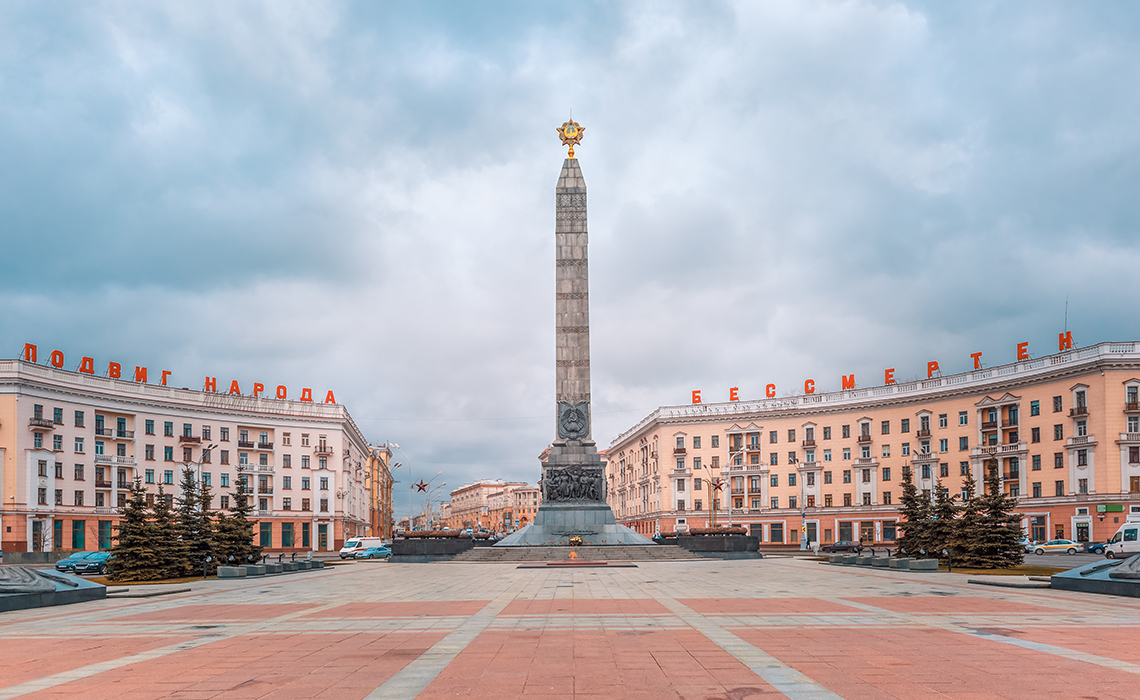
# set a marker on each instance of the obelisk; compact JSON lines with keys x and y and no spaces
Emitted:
{"x":573,"y":478}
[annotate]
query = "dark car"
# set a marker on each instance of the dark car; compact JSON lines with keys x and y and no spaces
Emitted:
{"x":67,"y":564}
{"x":94,"y":564}
{"x":842,"y":546}
{"x":1095,"y":547}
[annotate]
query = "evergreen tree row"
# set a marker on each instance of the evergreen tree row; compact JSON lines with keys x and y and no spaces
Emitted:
{"x":981,"y":532}
{"x":159,"y":541}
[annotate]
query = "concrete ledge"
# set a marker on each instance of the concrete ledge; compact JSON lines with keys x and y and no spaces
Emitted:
{"x":902,"y":563}
{"x":1007,"y":584}
{"x":273,"y":568}
{"x":718,"y":543}
{"x":444,"y":547}
{"x":730,"y":555}
{"x":231,"y":572}
{"x":881,"y":562}
{"x":291,"y":566}
{"x":924,"y":565}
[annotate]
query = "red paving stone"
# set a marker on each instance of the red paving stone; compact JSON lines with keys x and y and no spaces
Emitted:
{"x":634,"y":665}
{"x":585,"y":606}
{"x":920,"y":663}
{"x":950,"y":604}
{"x":764,"y":606}
{"x":343,"y":666}
{"x":1120,"y":643}
{"x":28,"y":659}
{"x":217,"y":612}
{"x":354,"y":611}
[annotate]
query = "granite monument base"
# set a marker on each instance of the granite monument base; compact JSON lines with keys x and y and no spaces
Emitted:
{"x":556,"y":523}
{"x":22,"y":588}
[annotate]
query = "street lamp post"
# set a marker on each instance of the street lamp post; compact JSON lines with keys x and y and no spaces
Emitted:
{"x":206,"y":450}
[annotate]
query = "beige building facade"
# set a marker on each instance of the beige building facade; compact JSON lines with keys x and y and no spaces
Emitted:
{"x":1065,"y":430}
{"x":72,"y":443}
{"x":493,"y":504}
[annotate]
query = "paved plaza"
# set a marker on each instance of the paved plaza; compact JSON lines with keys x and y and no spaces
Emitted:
{"x":779,"y":627}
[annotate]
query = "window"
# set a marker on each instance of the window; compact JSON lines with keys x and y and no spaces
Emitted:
{"x":263,"y":438}
{"x":243,"y":436}
{"x":680,"y":485}
{"x":696,"y":442}
{"x":775,"y":501}
{"x":943,"y":420}
{"x":926,"y":471}
{"x":865,"y":452}
{"x":866,"y":476}
{"x":205,"y":456}
{"x":943,"y":445}
{"x":324,"y":505}
{"x":827,"y":477}
{"x":774,"y":480}
{"x":791,"y":479}
{"x":827,"y":502}
{"x":78,"y":421}
{"x":715,"y":441}
{"x":791,"y":434}
{"x":168,"y":453}
{"x":885,"y":428}
{"x":286,"y":482}
{"x":168,"y":429}
{"x":755,"y":504}
{"x":225,"y":479}
{"x":149,"y":476}
{"x":827,"y":455}
{"x":324,"y":483}
{"x":304,"y":439}
{"x":697,"y":484}
{"x":886,"y":473}
{"x":1034,"y":408}
{"x":265,"y":532}
{"x":886,"y":450}
{"x":1082,"y":485}
{"x":944,"y":469}
{"x":716,"y":462}
{"x":168,"y":476}
{"x":886,"y":502}
{"x":846,"y":454}
{"x":827,"y":433}
{"x":1056,"y":404}
{"x":1133,"y":424}
{"x":305,"y":483}
{"x":224,"y":434}
{"x":287,"y":531}
{"x":1082,"y":458}
{"x":77,"y":539}
{"x":78,"y":498}
{"x":59,"y":470}
{"x":205,"y":432}
{"x":773,"y":436}
{"x":187,"y":454}
{"x":1059,"y":488}
{"x":304,"y":461}
{"x":263,"y":459}
{"x":57,"y":443}
{"x":791,"y":457}
{"x":773,"y":458}
{"x":1133,"y":455}
{"x":847,"y":476}
{"x":846,"y":431}
{"x":1036,"y":463}
{"x":792,"y":502}
{"x":905,"y":449}
{"x":150,"y":427}
{"x":847,"y":499}
{"x":37,"y":440}
{"x":148,"y":451}
{"x":322,"y":462}
{"x":697,"y":461}
{"x":866,"y":499}
{"x":187,"y":430}
{"x":1037,"y":489}
{"x":1035,"y":434}
{"x":680,"y":442}
{"x":41,"y":496}
{"x":810,"y":478}
{"x":1058,"y":460}
{"x":59,"y":501}
{"x":99,"y":447}
{"x":1058,"y":432}
{"x":205,"y":478}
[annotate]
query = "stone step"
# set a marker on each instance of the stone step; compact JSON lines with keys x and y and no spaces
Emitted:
{"x":586,"y":553}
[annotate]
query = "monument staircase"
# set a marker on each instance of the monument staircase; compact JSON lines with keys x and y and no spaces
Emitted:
{"x":648,"y":552}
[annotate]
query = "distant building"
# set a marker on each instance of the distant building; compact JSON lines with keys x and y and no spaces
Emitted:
{"x":71,"y":444}
{"x":1064,"y":431}
{"x":379,"y":485}
{"x":493,"y":504}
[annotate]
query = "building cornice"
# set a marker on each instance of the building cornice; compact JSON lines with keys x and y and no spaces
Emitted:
{"x":1115,"y":356}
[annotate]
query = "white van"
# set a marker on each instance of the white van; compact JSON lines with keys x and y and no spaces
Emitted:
{"x":1126,"y":541}
{"x":359,"y":544}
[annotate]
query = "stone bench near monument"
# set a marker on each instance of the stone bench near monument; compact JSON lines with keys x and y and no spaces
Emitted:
{"x":902,"y":563}
{"x":269,"y":569}
{"x":924,"y":565}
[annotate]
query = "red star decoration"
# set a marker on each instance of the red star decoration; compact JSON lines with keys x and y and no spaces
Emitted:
{"x":421,"y":485}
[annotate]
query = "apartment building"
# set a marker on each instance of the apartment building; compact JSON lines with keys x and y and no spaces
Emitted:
{"x":72,"y":443}
{"x":1064,"y":430}
{"x":491,"y":504}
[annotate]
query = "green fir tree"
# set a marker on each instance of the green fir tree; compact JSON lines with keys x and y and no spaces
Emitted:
{"x":170,"y":560}
{"x":915,"y":511}
{"x":190,"y":522}
{"x":133,"y":555}
{"x":943,"y":520}
{"x":208,"y":532}
{"x":235,"y":533}
{"x":968,"y":529}
{"x":998,"y":544}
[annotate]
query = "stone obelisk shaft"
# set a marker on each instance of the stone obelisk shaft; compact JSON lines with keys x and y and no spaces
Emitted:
{"x":572,"y":306}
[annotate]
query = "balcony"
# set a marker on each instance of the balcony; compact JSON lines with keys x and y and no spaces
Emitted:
{"x":190,"y":439}
{"x":100,"y":510}
{"x":1132,"y":406}
{"x":1130,"y":437}
{"x":1011,"y":449}
{"x":105,"y":432}
{"x":866,"y":438}
{"x":1080,"y":441}
{"x":115,"y":459}
{"x":265,"y":445}
{"x":678,"y":450}
{"x":245,"y":444}
{"x":989,"y":425}
{"x":1009,"y":423}
{"x":264,"y":513}
{"x":265,"y":490}
{"x":124,"y":435}
{"x":1012,"y":476}
{"x":42,"y":423}
{"x":809,"y":443}
{"x":102,"y":484}
{"x":123,"y":485}
{"x":865,"y":460}
{"x":264,"y":468}
{"x":753,"y":447}
{"x":323,"y":450}
{"x":1076,"y":411}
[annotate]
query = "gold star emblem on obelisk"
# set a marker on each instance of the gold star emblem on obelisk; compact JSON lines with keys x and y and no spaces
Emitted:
{"x":571,"y":134}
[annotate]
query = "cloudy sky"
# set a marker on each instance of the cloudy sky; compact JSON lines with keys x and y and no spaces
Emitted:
{"x":359,"y":197}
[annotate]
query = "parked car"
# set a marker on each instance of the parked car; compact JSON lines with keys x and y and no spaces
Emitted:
{"x":1126,"y":541}
{"x":1026,"y":543}
{"x":67,"y":564}
{"x":842,"y":546}
{"x":380,"y":552}
{"x":1095,"y":547}
{"x":1067,"y":546}
{"x":358,"y":544}
{"x":94,"y":564}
